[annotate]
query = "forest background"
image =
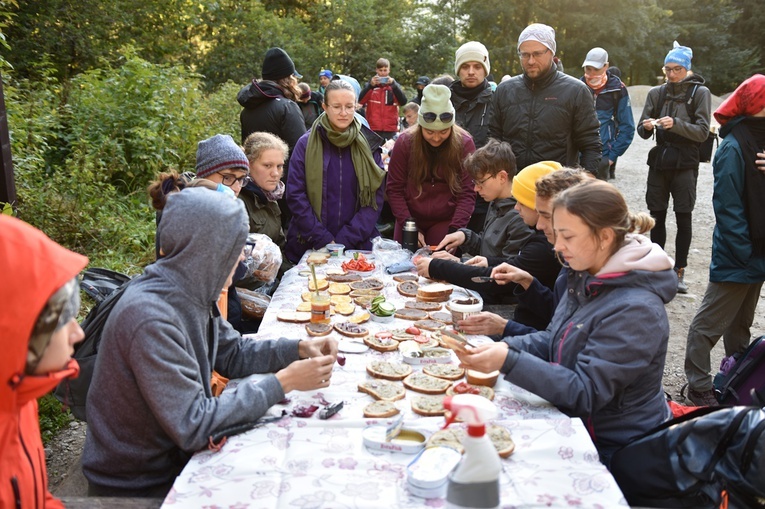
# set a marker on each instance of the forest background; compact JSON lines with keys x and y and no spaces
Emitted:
{"x":101,"y":96}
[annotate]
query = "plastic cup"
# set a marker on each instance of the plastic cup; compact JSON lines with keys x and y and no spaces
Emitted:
{"x":462,"y":308}
{"x":319,"y":308}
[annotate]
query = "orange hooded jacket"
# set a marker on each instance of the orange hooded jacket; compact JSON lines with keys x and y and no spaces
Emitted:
{"x":32,"y":269}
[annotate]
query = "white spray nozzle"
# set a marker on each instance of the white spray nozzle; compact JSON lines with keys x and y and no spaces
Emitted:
{"x":473,"y":409}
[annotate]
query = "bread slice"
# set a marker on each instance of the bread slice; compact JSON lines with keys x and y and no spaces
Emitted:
{"x":293,"y":317}
{"x":318,"y":329}
{"x":408,"y":288}
{"x":360,"y":318}
{"x":501,"y":439}
{"x":425,"y":306}
{"x":368,"y":284}
{"x":452,"y":437}
{"x":380,"y":409}
{"x":454,"y":340}
{"x":317,"y":258}
{"x":445,"y":371}
{"x":345,"y":308}
{"x":441,"y":316}
{"x":343,"y":278}
{"x":382,"y":389}
{"x":428,"y":405}
{"x":449,"y":437}
{"x":322,"y":284}
{"x":426,"y":384}
{"x":339,"y":289}
{"x":381,"y":344}
{"x":429,"y":324}
{"x":411,"y":314}
{"x":400,"y":278}
{"x":478,"y":378}
{"x":352,"y":330}
{"x":437,"y":292}
{"x":466,"y":388}
{"x":389,"y":370}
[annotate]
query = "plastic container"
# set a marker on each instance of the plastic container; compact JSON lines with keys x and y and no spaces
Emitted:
{"x":407,"y":442}
{"x":428,"y":472}
{"x":381,"y":319}
{"x":427,"y":356}
{"x":335,"y":250}
{"x":463,"y":307}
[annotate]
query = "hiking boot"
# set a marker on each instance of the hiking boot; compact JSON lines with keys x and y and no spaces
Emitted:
{"x":612,"y":173}
{"x":703,"y":398}
{"x":681,"y":286}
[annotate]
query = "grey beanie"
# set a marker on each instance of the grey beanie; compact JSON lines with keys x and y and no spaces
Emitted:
{"x":218,"y":153}
{"x":543,"y":34}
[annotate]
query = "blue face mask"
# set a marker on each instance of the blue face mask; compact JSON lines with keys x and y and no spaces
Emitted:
{"x":226,"y":190}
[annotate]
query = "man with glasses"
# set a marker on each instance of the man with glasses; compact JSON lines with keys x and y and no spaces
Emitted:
{"x":543,"y":113}
{"x":678,"y":113}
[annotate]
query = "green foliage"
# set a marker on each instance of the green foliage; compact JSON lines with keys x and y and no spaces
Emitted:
{"x":52,"y":417}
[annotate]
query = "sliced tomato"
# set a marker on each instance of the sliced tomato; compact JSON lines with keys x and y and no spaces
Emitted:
{"x":465,"y":388}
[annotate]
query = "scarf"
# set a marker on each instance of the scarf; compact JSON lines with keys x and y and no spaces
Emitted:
{"x":368,"y":174}
{"x":750,"y":133}
{"x":468,"y":94}
{"x":276,"y":194}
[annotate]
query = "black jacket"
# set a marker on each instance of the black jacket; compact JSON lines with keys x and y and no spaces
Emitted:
{"x":473,"y":112}
{"x":551,"y":118}
{"x":266,"y":109}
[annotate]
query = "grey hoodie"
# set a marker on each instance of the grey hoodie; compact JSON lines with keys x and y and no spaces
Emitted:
{"x":602,"y":356}
{"x":150,"y":405}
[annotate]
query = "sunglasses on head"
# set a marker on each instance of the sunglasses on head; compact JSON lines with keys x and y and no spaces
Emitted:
{"x":431,"y":117}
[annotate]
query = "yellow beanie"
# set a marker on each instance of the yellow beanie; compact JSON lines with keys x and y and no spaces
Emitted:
{"x":524,"y":182}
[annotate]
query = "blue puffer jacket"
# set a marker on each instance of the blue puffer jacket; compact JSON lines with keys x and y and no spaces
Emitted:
{"x":732,"y":258}
{"x":602,"y":356}
{"x":615,"y":133}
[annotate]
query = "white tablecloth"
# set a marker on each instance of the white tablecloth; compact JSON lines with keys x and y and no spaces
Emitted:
{"x":313,"y":463}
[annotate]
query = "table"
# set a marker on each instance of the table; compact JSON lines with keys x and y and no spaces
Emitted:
{"x":297,"y":462}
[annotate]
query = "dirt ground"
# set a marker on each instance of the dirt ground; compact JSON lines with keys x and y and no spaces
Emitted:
{"x":64,"y":451}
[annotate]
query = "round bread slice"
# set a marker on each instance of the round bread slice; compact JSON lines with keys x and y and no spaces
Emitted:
{"x":345,"y":308}
{"x":339,"y":289}
{"x":343,"y":278}
{"x":449,"y":437}
{"x":428,"y":405}
{"x":408,"y":288}
{"x":501,"y":439}
{"x":293,"y":317}
{"x":360,"y":318}
{"x":340,"y":299}
{"x":410,"y":314}
{"x":304,"y":307}
{"x":352,"y":330}
{"x":425,"y":306}
{"x":426,"y":384}
{"x":364,"y":292}
{"x":381,"y":345}
{"x":380,"y":409}
{"x":452,"y":437}
{"x":389,"y":370}
{"x":454,"y":340}
{"x":478,"y":378}
{"x":323,"y":284}
{"x":400,"y":278}
{"x":437,"y":292}
{"x":445,"y":371}
{"x":431,"y":325}
{"x":317,"y":258}
{"x":466,"y":388}
{"x":334,"y":271}
{"x":441,"y":316}
{"x":383,"y":390}
{"x":368,"y":284}
{"x":318,"y":329}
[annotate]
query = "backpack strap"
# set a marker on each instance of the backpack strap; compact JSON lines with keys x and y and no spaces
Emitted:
{"x":689,"y":95}
{"x":660,"y":103}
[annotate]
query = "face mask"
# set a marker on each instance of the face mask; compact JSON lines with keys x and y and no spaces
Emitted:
{"x":597,"y":81}
{"x":226,"y":190}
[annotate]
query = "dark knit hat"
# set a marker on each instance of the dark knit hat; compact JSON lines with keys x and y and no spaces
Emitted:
{"x":219,"y":153}
{"x":277,"y":64}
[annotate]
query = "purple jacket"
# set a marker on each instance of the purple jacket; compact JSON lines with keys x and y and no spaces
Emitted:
{"x":342,"y":219}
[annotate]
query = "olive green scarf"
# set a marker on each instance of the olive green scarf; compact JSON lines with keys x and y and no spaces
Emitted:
{"x":369,"y":175}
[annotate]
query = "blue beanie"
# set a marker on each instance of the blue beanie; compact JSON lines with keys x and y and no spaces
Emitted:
{"x":680,"y":55}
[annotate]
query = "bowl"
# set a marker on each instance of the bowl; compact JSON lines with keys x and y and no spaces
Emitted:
{"x":381,"y":319}
{"x":335,"y":250}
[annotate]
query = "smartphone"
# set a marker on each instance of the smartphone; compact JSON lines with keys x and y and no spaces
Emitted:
{"x":383,"y":80}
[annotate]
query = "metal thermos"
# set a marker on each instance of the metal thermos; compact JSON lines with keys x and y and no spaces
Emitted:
{"x":409,"y":235}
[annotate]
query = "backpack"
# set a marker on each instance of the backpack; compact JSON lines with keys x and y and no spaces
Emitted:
{"x":673,"y":151}
{"x":106,"y":287}
{"x":712,"y":457}
{"x":741,"y":380}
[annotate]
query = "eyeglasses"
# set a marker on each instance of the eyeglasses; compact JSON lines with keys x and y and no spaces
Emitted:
{"x":431,"y":117}
{"x":229,"y":180}
{"x":337,"y":108}
{"x":671,"y":70}
{"x":480,"y":183}
{"x":536,"y":54}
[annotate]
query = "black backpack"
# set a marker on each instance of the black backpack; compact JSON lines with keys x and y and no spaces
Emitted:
{"x":712,"y":457}
{"x":106,"y":287}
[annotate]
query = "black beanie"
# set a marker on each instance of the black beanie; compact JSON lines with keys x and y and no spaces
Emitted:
{"x":277,"y":65}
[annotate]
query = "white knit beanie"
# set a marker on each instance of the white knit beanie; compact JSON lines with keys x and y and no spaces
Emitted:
{"x":472,"y":51}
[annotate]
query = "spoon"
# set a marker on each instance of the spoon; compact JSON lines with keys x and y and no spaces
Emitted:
{"x":482,"y":279}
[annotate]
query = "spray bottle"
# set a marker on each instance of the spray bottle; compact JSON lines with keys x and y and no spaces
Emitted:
{"x":474,"y":483}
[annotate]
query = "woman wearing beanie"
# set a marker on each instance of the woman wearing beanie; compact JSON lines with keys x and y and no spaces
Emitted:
{"x":38,"y":327}
{"x":336,"y":183}
{"x":426,"y":177}
{"x":270,"y":105}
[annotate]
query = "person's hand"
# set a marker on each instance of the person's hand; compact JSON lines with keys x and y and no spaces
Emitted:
{"x":421,"y":239}
{"x":375,"y":81}
{"x":648,"y":124}
{"x":423,"y":264}
{"x":317,"y":347}
{"x":451,"y":242}
{"x":307,"y":374}
{"x":505,"y":273}
{"x":484,"y":358}
{"x":478,"y":261}
{"x":760,"y":162}
{"x":666,"y":122}
{"x":483,"y":323}
{"x":443,"y":255}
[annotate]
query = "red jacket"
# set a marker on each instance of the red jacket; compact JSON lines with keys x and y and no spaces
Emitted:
{"x":32,"y":268}
{"x":382,"y":104}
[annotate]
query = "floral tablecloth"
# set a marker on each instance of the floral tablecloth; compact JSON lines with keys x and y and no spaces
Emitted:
{"x":313,"y":463}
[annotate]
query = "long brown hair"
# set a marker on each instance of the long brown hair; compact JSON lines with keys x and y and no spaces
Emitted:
{"x":422,"y":165}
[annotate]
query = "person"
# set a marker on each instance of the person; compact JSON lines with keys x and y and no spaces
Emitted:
{"x":442,"y":79}
{"x":543,"y":113}
{"x":382,"y":96}
{"x":426,"y":177}
{"x":420,"y":84}
{"x":150,"y":405}
{"x":534,"y":255}
{"x":602,"y":356}
{"x":504,"y":231}
{"x":270,"y":105}
{"x":310,"y":104}
{"x":325,"y":76}
{"x":737,"y":270}
{"x":678,"y":114}
{"x":411,"y":109}
{"x":613,"y":108}
{"x":471,"y":97}
{"x":337,"y":187}
{"x":39,"y":328}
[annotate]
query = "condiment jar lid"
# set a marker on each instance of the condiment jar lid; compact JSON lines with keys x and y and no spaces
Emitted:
{"x":432,"y":466}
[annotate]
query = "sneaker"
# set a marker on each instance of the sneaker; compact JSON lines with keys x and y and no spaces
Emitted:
{"x":703,"y":398}
{"x":681,"y":286}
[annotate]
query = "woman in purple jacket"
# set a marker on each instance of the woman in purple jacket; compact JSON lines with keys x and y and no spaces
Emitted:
{"x":335,"y":183}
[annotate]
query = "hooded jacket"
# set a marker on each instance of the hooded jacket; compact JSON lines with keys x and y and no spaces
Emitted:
{"x":33,"y":268}
{"x":551,"y":118}
{"x":504,"y":232}
{"x":602,"y":356}
{"x":266,"y":109}
{"x":472,"y":114}
{"x":150,"y":406}
{"x":382,"y":103}
{"x":614,"y":111}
